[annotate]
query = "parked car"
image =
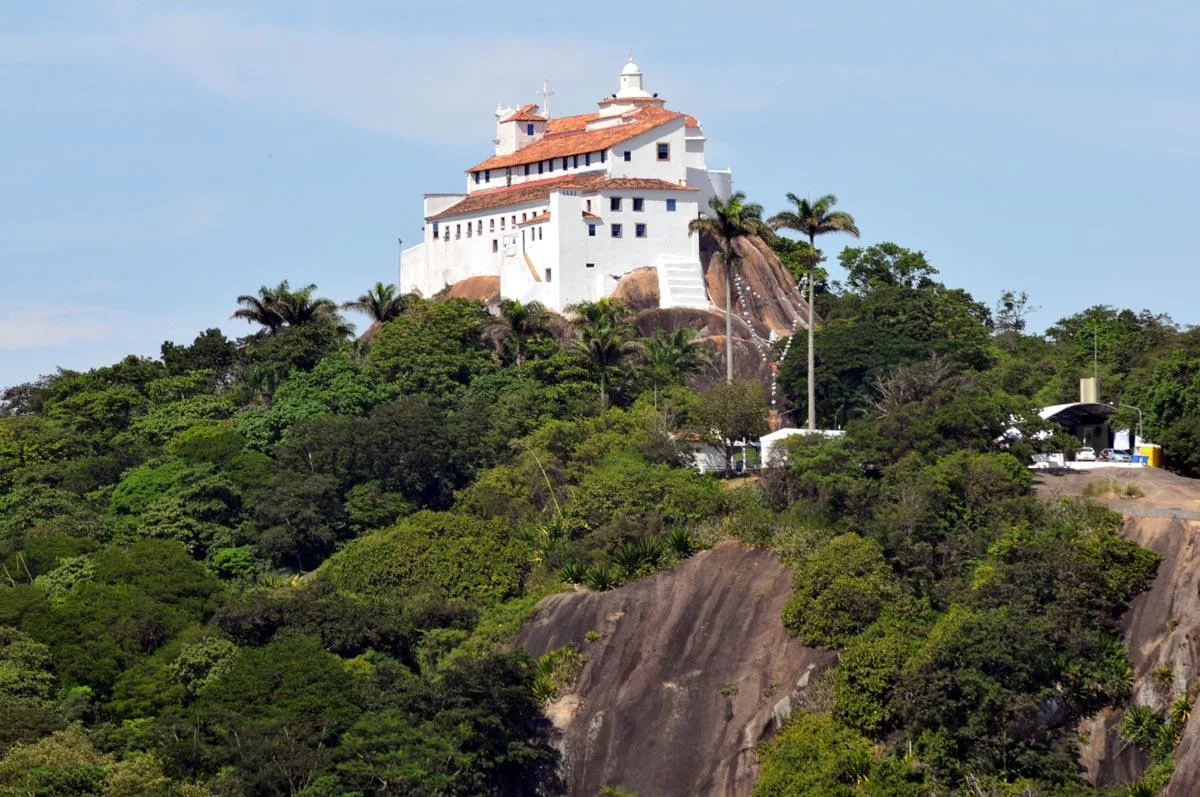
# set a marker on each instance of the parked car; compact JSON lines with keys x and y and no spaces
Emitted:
{"x":1085,"y":454}
{"x":1115,"y":455}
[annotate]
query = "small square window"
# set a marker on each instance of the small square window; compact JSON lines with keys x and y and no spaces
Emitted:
{"x":491,"y":225}
{"x":664,"y":152}
{"x":616,"y":231}
{"x":487,"y":176}
{"x":476,"y":175}
{"x":591,"y":230}
{"x":589,"y":205}
{"x":614,"y":203}
{"x":639,"y":230}
{"x":526,"y":169}
{"x":522,"y":217}
{"x":589,"y":265}
{"x":479,"y":227}
{"x":574,"y":161}
{"x":670,"y":205}
{"x":541,"y":166}
{"x":457,"y":231}
{"x":501,"y":222}
{"x":587,"y":159}
{"x":435,"y":229}
{"x":514,"y":220}
{"x":540,"y":232}
{"x":639,"y":204}
{"x":551,"y":164}
{"x":470,"y":226}
{"x":495,"y":245}
{"x":529,"y":129}
{"x":628,"y":156}
{"x":603,"y":155}
{"x":564,"y":164}
{"x":548,"y":275}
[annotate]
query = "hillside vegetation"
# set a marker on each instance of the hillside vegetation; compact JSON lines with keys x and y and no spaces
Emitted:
{"x":291,"y":563}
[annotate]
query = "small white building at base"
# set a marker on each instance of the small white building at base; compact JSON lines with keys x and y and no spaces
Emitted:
{"x":567,"y":206}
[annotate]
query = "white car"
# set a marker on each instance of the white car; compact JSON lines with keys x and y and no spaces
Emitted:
{"x":1085,"y":454}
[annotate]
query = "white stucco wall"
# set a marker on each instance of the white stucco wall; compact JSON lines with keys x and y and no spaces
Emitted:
{"x":644,"y":160}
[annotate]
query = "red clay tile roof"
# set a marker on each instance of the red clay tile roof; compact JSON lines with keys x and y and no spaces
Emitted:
{"x":691,"y":121}
{"x":578,"y":140}
{"x":535,"y":219}
{"x":570,"y":124}
{"x":540,"y":189}
{"x":527,"y":113}
{"x":587,"y":215}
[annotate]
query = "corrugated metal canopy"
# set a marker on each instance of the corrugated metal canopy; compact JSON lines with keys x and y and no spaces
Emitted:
{"x":1078,"y":413}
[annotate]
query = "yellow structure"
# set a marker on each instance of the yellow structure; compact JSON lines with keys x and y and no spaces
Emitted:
{"x":1151,"y":454}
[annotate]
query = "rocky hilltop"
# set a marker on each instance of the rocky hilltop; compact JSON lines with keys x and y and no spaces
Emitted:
{"x":766,"y":304}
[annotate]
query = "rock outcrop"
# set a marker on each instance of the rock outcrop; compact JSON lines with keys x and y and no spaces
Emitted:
{"x":1161,"y":627}
{"x":639,"y":289}
{"x":687,"y":671}
{"x":483,"y":289}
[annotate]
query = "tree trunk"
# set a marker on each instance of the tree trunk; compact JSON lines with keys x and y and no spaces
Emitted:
{"x":812,"y":385}
{"x":728,"y":313}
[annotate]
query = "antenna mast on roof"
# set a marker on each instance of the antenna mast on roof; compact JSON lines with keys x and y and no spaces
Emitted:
{"x":546,"y":94}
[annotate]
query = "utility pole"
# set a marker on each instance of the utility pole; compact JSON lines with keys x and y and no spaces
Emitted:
{"x":400,"y":266}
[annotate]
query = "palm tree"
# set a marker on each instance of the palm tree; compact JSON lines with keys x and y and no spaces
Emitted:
{"x":517,"y":322}
{"x":261,"y":309}
{"x":281,"y":306}
{"x":380,"y":304}
{"x":813,"y":218}
{"x":605,"y":344}
{"x":608,"y":309}
{"x":670,"y":354}
{"x":730,"y":220}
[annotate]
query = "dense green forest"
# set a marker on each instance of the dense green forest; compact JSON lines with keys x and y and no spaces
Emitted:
{"x":288,"y":563}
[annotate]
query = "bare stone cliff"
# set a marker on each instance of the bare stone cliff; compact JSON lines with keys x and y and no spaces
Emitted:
{"x":686,"y":672}
{"x":1161,"y":627}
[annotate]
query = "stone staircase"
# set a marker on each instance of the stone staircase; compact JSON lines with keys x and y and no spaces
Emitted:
{"x":681,"y":283}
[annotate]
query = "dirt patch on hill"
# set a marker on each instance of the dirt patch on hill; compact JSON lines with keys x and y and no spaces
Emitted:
{"x":687,"y":671}
{"x":1162,"y":626}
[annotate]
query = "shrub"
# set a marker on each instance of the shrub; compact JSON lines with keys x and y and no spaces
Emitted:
{"x":601,"y":577}
{"x":841,"y":588}
{"x":679,"y":542}
{"x":638,"y":557}
{"x":442,"y":554}
{"x":573,"y":573}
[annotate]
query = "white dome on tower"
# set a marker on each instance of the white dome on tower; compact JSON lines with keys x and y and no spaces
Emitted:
{"x":631,"y":81}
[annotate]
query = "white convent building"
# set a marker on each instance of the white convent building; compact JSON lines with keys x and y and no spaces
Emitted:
{"x":569,"y":205}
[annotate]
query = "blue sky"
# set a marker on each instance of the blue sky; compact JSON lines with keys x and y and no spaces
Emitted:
{"x":161,"y":158}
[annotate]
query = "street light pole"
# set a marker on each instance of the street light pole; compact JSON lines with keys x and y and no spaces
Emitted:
{"x":1139,"y":412}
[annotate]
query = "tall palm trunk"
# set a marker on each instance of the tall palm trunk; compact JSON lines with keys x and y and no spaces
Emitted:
{"x":812,"y":386}
{"x":729,"y":313}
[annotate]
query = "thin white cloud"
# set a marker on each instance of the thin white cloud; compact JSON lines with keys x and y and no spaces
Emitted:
{"x":48,"y":326}
{"x":419,"y":87}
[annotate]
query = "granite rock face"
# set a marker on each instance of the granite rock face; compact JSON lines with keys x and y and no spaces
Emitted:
{"x":687,"y":671}
{"x":1161,"y":627}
